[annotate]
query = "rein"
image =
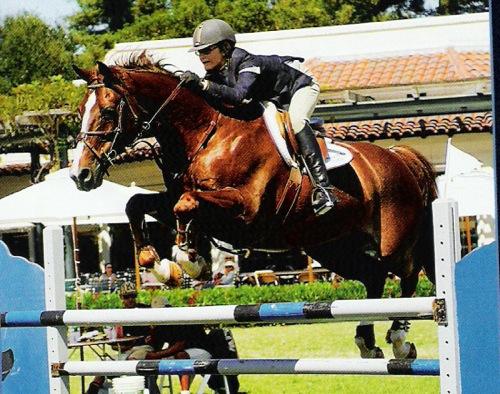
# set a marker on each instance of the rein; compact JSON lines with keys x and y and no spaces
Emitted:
{"x":147,"y":125}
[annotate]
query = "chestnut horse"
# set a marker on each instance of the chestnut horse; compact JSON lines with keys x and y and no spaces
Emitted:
{"x":232,"y":178}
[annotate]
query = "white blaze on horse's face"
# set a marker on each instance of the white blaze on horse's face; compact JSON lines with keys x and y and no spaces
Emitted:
{"x":91,"y":101}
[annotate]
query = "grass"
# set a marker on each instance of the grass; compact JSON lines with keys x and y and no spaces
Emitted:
{"x":327,"y":340}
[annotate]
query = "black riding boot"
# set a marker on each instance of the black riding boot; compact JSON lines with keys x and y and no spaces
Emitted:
{"x":322,"y":197}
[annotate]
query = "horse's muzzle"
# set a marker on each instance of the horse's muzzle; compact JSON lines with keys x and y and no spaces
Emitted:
{"x":85,"y":180}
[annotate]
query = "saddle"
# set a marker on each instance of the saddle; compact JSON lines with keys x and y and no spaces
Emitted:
{"x":281,"y":132}
{"x":280,"y":129}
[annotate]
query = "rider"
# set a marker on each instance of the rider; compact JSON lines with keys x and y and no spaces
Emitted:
{"x":237,"y":77}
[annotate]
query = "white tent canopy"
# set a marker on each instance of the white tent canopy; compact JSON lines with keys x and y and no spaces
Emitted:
{"x":474,"y":191}
{"x":56,"y":201}
{"x":466,"y":181}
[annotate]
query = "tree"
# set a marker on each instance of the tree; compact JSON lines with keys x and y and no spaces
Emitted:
{"x":294,"y":14}
{"x":31,"y":50}
{"x":97,"y":16}
{"x":245,"y":15}
{"x":187,"y":14}
{"x":159,"y":25}
{"x":362,"y":11}
{"x":452,"y":7}
{"x":147,"y":7}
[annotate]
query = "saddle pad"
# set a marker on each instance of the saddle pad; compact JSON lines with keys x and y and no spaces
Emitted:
{"x":271,"y":120}
{"x":338,"y":156}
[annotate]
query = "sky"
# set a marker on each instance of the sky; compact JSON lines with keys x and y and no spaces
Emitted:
{"x":51,"y":11}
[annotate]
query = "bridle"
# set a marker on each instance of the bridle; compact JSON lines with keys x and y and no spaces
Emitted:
{"x":106,"y":159}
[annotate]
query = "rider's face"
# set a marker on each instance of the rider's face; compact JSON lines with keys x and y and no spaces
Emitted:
{"x":212,"y":58}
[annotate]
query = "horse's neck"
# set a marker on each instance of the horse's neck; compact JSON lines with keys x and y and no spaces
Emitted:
{"x":187,"y":113}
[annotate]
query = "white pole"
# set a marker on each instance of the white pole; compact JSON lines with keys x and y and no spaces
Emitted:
{"x":447,"y":253}
{"x":341,"y":310}
{"x":255,"y":366}
{"x":53,"y":251}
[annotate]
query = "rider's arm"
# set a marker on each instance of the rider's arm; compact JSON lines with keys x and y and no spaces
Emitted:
{"x":176,"y":347}
{"x":241,"y":92}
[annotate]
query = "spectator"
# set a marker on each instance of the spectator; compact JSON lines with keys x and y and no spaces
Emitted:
{"x":222,"y":345}
{"x":184,"y":342}
{"x":227,"y":277}
{"x":133,"y":350}
{"x":108,"y":279}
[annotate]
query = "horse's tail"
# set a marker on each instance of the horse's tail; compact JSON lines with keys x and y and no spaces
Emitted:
{"x":426,"y":178}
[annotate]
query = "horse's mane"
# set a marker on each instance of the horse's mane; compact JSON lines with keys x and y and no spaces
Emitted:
{"x":144,"y":62}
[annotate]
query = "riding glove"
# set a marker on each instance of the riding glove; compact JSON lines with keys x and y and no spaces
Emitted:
{"x":193,"y":81}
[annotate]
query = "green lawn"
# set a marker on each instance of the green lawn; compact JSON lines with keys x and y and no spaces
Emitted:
{"x":320,"y":341}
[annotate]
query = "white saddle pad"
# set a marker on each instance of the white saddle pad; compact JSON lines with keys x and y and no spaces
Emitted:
{"x":338,"y":156}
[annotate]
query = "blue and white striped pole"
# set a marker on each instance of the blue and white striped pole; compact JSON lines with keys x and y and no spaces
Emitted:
{"x":342,"y":310}
{"x":253,"y":366}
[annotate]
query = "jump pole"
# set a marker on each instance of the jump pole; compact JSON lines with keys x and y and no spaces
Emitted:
{"x":285,"y":312}
{"x":254,"y":366}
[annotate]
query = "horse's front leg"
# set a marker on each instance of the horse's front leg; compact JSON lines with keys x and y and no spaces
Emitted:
{"x":229,"y":199}
{"x":158,"y":205}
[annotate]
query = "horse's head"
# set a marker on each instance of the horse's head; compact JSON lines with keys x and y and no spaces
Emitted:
{"x":110,"y":118}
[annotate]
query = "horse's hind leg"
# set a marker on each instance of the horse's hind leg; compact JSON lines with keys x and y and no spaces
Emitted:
{"x":373,"y":277}
{"x":365,"y":341}
{"x":396,"y":335}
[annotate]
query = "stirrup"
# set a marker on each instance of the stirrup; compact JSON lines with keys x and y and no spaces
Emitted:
{"x":327,"y":200}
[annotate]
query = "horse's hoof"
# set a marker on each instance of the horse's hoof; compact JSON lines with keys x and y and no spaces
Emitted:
{"x":148,"y":256}
{"x":412,"y":354}
{"x":377,"y":352}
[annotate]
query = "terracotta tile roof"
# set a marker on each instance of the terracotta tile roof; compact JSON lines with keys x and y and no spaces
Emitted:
{"x":15,"y":169}
{"x":140,"y":153}
{"x":410,"y":127}
{"x":449,"y":66}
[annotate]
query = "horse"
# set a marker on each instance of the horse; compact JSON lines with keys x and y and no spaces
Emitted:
{"x":225,"y":176}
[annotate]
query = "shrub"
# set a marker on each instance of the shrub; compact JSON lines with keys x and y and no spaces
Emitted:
{"x":247,"y":295}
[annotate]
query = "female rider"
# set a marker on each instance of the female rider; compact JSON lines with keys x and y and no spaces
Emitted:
{"x":237,"y":77}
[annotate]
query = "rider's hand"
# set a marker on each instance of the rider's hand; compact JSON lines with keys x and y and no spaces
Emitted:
{"x":192,"y":80}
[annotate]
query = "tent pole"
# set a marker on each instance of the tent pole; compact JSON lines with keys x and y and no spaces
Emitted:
{"x":78,"y":300}
{"x":136,"y":266}
{"x":76,"y":259}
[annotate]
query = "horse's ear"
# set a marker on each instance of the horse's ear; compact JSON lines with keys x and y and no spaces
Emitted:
{"x":110,"y":78}
{"x":82,"y":73}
